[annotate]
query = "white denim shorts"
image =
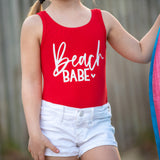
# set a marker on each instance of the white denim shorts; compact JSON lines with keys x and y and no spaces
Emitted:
{"x":74,"y":130}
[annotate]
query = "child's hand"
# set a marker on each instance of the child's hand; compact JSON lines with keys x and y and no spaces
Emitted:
{"x":37,"y":145}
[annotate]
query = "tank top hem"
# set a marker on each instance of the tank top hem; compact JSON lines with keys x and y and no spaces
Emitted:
{"x":74,"y":106}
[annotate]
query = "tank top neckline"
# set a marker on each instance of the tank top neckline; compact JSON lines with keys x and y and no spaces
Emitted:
{"x":65,"y":27}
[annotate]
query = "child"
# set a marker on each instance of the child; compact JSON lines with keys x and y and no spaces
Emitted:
{"x":66,"y":43}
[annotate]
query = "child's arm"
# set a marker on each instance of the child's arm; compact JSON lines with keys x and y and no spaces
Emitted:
{"x":31,"y":76}
{"x":32,"y":84}
{"x":127,"y":45}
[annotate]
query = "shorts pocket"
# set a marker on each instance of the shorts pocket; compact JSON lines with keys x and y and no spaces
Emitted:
{"x":47,"y":114}
{"x":103,"y":113}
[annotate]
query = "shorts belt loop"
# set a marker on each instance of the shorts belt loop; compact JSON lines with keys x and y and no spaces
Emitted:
{"x":92,"y":114}
{"x":63,"y":110}
{"x":76,"y":114}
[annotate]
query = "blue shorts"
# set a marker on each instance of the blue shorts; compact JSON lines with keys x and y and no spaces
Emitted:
{"x":73,"y":130}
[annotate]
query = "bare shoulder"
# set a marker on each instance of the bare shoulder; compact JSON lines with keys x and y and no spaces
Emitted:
{"x":107,"y":16}
{"x":109,"y":19}
{"x":32,"y":26}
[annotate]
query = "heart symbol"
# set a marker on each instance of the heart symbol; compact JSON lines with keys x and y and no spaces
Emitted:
{"x":93,"y":75}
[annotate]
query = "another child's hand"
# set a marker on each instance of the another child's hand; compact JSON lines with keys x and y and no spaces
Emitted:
{"x":37,"y":145}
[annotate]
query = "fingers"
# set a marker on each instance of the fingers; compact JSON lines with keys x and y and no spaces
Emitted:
{"x":37,"y":147}
{"x":51,"y":146}
{"x":39,"y":156}
{"x":29,"y":150}
{"x":35,"y":157}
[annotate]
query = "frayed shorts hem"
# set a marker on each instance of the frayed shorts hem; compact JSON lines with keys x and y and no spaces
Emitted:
{"x":78,"y":155}
{"x":97,"y":145}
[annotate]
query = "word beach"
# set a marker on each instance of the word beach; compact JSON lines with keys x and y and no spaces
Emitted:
{"x":61,"y":63}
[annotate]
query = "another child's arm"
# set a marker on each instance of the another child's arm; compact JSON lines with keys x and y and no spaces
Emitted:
{"x":127,"y":45}
{"x":32,"y":85}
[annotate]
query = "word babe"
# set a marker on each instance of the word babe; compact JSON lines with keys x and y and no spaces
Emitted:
{"x":61,"y":63}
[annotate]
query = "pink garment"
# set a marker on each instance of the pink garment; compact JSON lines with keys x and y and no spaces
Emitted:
{"x":156,"y":83}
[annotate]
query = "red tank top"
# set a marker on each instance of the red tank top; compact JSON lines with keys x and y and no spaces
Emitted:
{"x":73,"y":62}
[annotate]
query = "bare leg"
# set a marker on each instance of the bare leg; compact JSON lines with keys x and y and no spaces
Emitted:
{"x":104,"y":152}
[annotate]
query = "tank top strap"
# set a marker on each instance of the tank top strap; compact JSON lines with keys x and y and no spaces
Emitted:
{"x":44,"y":24}
{"x":42,"y":16}
{"x":99,"y":18}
